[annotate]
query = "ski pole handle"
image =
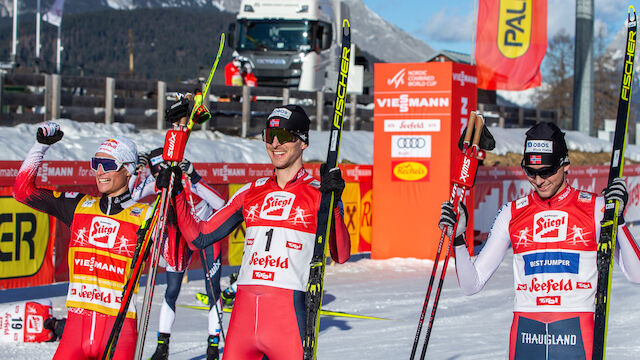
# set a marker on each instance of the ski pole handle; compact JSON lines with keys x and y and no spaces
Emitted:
{"x":478,"y":125}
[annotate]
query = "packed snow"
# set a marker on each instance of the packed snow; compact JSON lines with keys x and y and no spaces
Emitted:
{"x":474,"y":327}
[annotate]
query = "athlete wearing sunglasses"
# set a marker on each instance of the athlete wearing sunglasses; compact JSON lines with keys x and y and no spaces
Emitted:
{"x":280,"y":213}
{"x":553,"y":234}
{"x":102,"y":227}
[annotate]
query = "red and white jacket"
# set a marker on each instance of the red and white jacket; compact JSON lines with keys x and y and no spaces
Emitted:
{"x":203,"y":200}
{"x":281,"y":227}
{"x":554,"y":244}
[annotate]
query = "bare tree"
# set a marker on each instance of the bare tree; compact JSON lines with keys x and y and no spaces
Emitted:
{"x":557,"y":74}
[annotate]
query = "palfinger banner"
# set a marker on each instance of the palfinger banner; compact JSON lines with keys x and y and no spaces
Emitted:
{"x":511,"y":41}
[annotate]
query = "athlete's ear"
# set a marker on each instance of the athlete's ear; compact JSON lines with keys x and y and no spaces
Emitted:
{"x":304,"y":145}
{"x":566,"y":168}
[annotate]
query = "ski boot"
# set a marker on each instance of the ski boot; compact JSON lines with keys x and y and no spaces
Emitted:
{"x":203,"y":298}
{"x":212,"y":347}
{"x":162,"y":351}
{"x":229,"y":293}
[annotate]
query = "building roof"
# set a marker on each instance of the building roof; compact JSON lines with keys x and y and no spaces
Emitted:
{"x":450,"y":55}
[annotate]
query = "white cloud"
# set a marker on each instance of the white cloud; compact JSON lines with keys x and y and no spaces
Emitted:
{"x":449,"y":26}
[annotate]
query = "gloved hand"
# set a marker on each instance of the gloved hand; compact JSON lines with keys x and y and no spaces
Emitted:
{"x":331,"y":181}
{"x":177,"y":110}
{"x":448,"y":219}
{"x":164,"y":177}
{"x":143,"y":160}
{"x":49,"y":133}
{"x":187,"y":167}
{"x":617,"y":191}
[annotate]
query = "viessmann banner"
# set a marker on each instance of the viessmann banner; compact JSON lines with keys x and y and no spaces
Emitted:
{"x":420,"y":111}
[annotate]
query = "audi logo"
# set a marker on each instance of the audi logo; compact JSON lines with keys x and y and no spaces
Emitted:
{"x":410,"y":143}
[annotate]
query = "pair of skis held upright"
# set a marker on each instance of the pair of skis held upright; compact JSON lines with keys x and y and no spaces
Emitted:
{"x":151,"y":235}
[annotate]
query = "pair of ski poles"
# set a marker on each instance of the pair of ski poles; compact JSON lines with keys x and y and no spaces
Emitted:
{"x":467,"y":163}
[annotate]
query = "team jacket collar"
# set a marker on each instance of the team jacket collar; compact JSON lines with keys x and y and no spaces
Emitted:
{"x":557,"y":200}
{"x":115,"y":204}
{"x":300,"y":176}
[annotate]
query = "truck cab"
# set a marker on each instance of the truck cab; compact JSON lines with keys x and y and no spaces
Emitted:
{"x":289,"y":43}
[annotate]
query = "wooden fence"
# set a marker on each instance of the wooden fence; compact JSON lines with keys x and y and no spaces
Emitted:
{"x":32,"y":98}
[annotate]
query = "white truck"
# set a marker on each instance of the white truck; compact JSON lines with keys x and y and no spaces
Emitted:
{"x":289,"y":43}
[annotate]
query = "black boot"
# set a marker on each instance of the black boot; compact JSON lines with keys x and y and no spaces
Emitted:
{"x":162,"y":351}
{"x":212,"y":347}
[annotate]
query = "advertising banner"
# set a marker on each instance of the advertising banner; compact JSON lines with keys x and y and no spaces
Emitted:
{"x":511,"y":42}
{"x":26,"y":244}
{"x":420,"y":111}
{"x":495,"y":186}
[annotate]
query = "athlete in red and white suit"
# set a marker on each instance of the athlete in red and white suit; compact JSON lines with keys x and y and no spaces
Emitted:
{"x":280,"y":213}
{"x":101,"y":247}
{"x":554,"y":233}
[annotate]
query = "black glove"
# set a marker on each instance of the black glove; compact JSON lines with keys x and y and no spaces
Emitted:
{"x":617,"y":191}
{"x":448,"y":219}
{"x":177,"y":110}
{"x":143,"y":160}
{"x":49,"y":133}
{"x":187,"y":167}
{"x":164,"y":177}
{"x":331,"y":181}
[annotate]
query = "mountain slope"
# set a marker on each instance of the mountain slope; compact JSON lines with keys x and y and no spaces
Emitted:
{"x":371,"y":33}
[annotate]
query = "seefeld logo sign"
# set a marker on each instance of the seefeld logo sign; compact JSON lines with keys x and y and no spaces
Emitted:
{"x":550,"y":226}
{"x":277,"y":205}
{"x":103,"y":232}
{"x":410,"y":171}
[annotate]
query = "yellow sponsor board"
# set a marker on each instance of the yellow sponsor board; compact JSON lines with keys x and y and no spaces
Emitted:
{"x":236,"y":238}
{"x":514,"y":27}
{"x":365,"y":217}
{"x":351,"y":203}
{"x":24,"y":238}
{"x":410,"y":171}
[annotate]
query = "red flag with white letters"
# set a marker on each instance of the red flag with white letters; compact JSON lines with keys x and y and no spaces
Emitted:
{"x":511,"y":41}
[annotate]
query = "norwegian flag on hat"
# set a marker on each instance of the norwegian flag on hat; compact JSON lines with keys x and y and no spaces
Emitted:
{"x":535,"y":159}
{"x":274,"y":122}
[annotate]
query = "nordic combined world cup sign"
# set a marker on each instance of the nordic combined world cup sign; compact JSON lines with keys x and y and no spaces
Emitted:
{"x":420,"y":111}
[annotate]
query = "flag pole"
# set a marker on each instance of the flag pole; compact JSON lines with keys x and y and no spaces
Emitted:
{"x":38,"y":37}
{"x":59,"y":49}
{"x":14,"y":39}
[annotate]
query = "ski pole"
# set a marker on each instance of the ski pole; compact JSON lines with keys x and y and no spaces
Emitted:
{"x":470,"y":154}
{"x":465,"y":144}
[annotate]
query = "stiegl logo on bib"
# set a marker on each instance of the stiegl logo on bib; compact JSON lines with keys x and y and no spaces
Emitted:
{"x":277,"y":206}
{"x":103,"y":232}
{"x":550,"y":226}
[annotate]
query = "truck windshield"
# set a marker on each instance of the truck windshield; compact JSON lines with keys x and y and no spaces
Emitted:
{"x":275,"y":35}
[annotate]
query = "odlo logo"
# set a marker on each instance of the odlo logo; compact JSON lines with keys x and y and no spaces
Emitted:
{"x":103,"y":232}
{"x":277,"y":206}
{"x":550,"y":226}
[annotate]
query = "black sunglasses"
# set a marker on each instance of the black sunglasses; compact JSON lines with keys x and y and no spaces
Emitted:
{"x":544,"y":172}
{"x":283,"y":135}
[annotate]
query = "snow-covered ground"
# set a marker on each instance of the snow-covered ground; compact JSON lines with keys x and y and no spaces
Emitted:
{"x":82,"y":139}
{"x":473,"y":327}
{"x":466,"y":327}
